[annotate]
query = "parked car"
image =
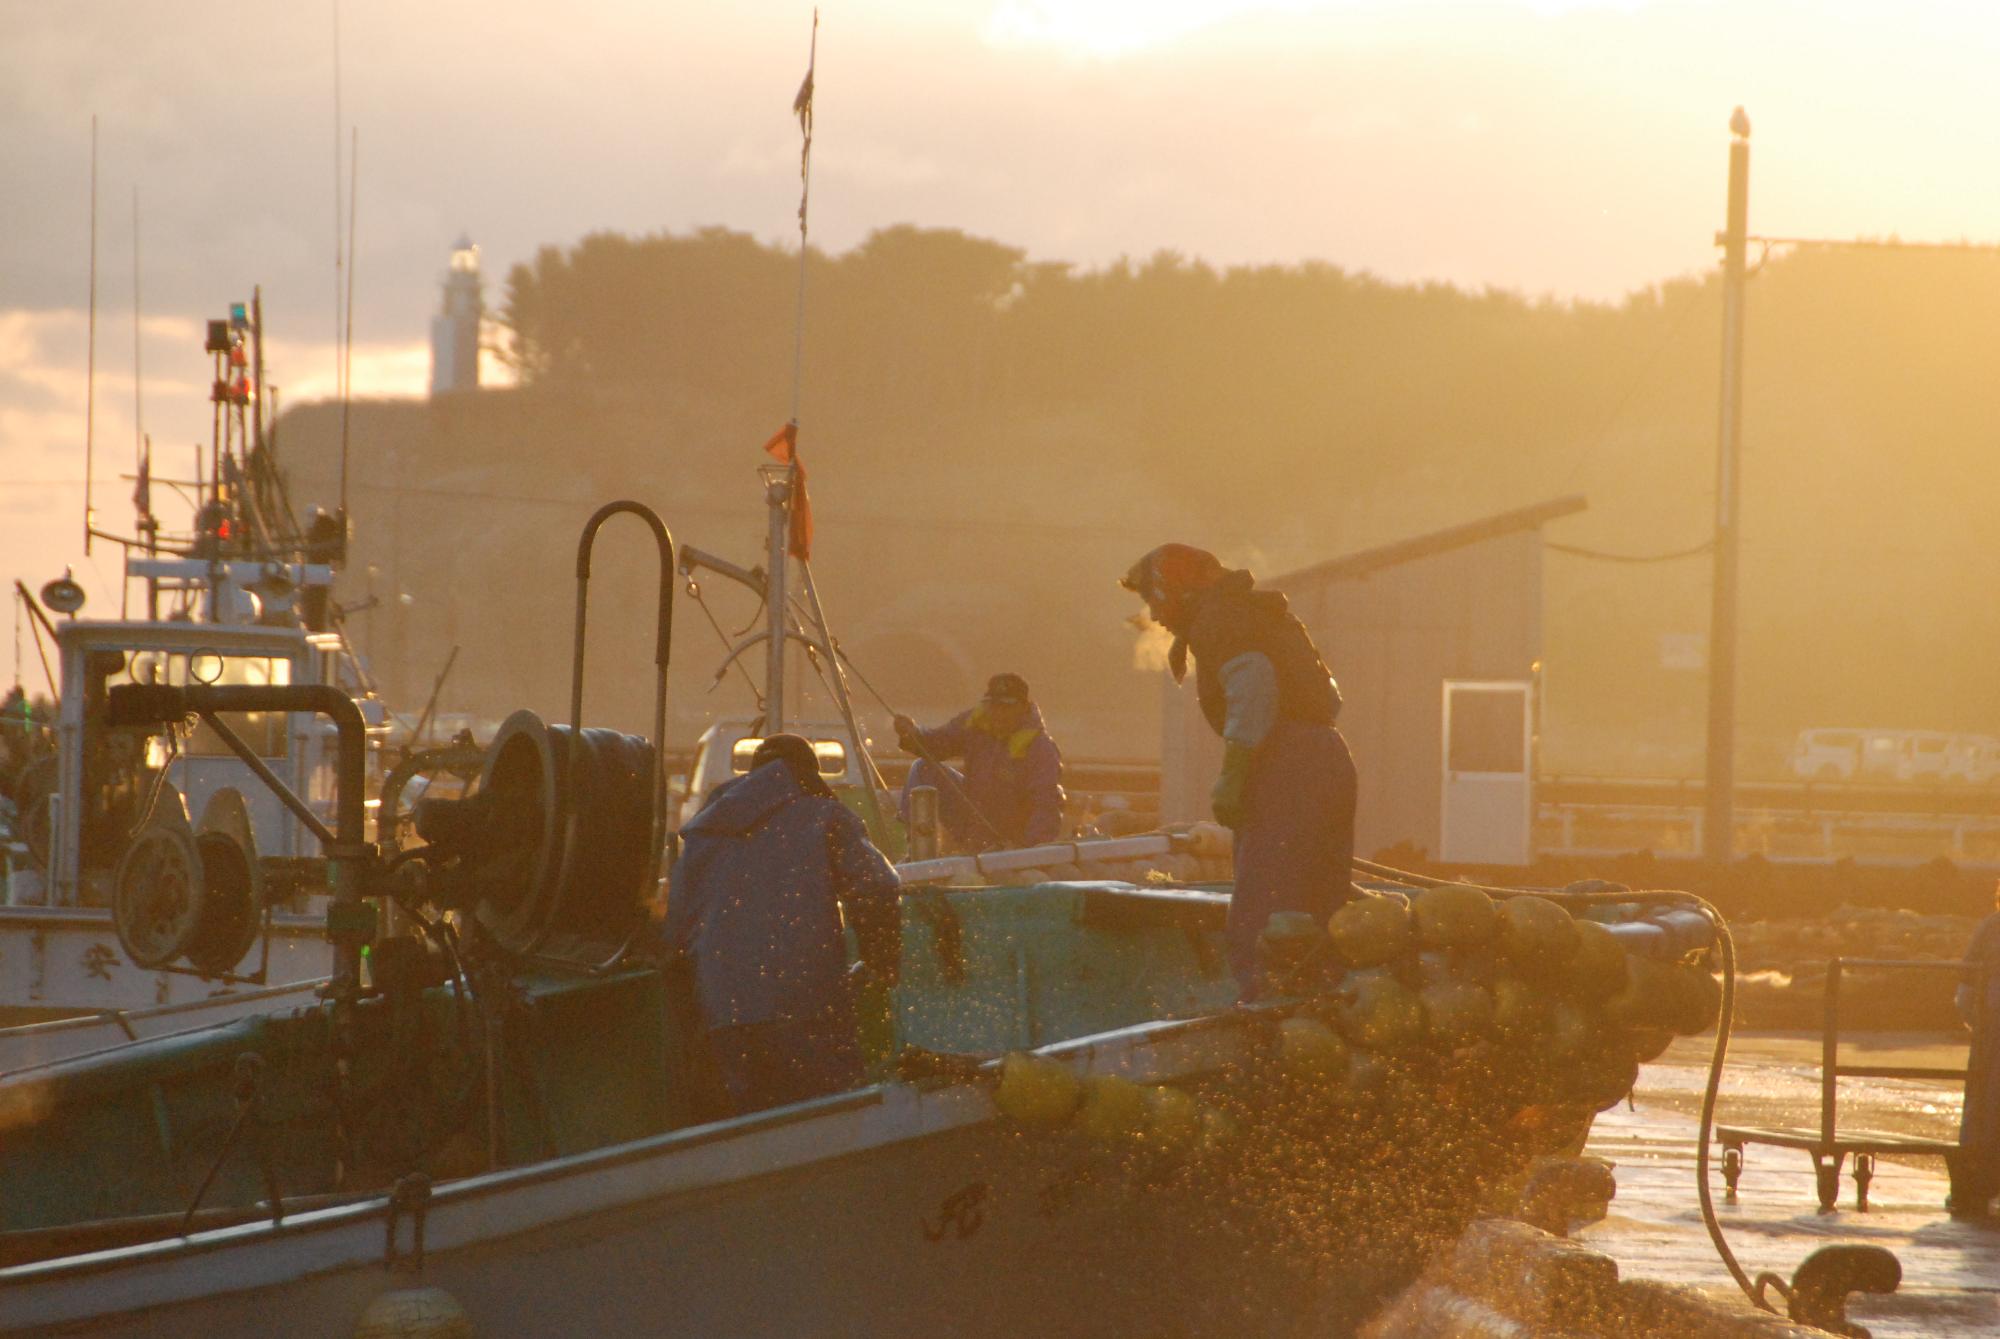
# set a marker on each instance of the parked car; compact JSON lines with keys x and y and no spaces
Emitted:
{"x":725,"y":748}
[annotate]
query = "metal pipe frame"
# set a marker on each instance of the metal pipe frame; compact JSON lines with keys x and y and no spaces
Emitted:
{"x":663,"y":639}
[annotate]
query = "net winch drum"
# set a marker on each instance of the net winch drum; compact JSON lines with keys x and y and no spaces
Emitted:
{"x":567,"y":831}
{"x":190,"y":892}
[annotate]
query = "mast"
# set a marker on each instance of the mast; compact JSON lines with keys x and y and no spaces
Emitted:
{"x":778,"y":497}
{"x":781,"y":482}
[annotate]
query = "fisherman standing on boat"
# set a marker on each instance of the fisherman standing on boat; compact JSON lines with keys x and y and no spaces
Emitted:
{"x":1287,"y":786}
{"x":1975,"y":1165}
{"x":756,"y":901}
{"x":1010,"y":793}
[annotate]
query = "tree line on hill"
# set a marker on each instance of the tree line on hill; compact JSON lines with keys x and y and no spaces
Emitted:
{"x":1287,"y":413}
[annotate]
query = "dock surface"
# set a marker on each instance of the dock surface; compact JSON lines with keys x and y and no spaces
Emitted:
{"x":1951,"y":1269}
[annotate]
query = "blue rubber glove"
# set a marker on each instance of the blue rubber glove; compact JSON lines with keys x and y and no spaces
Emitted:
{"x":1226,"y":799}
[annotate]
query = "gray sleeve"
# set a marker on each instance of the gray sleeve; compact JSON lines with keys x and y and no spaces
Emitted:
{"x":1250,"y":685}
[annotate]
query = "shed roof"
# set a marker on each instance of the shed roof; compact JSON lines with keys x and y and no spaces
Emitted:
{"x":1354,"y":565}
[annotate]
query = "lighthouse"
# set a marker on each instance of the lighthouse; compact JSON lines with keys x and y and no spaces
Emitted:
{"x":455,"y":329}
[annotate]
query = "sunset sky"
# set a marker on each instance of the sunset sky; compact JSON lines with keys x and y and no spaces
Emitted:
{"x":1574,"y":148}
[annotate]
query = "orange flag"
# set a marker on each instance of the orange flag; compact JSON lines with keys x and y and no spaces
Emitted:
{"x":784,"y":448}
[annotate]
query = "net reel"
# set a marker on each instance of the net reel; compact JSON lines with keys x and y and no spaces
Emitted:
{"x":553,"y":854}
{"x":190,"y":893}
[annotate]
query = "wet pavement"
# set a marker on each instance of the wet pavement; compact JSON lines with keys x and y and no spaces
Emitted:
{"x":1951,"y":1270}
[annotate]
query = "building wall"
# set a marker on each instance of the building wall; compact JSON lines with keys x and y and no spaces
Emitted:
{"x":1391,"y":637}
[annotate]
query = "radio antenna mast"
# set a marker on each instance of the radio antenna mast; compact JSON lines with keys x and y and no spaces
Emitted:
{"x":90,"y":355}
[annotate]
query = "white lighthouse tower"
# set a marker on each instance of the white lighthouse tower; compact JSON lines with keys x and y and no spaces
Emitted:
{"x":455,"y":329}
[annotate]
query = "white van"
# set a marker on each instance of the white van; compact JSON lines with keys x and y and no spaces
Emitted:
{"x":1975,"y":759}
{"x":1922,"y":756}
{"x":1827,"y":755}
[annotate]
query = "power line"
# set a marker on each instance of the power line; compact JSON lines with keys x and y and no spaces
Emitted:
{"x":1575,"y":551}
{"x":892,"y":522}
{"x":1598,"y":439}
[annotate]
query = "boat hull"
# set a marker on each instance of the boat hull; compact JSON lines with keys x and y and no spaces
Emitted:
{"x":893,"y":1210}
{"x":60,"y":962}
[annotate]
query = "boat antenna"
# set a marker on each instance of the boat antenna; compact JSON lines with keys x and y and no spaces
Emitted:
{"x":138,"y":393}
{"x":340,"y":288}
{"x":90,"y":355}
{"x":347,"y":339}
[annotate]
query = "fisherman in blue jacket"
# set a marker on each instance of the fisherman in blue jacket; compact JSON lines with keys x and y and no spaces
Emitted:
{"x":1287,"y":786}
{"x":1010,"y":792}
{"x":767,"y":870}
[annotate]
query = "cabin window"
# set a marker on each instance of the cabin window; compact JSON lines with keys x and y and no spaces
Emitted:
{"x":831,"y":753}
{"x":263,"y":731}
{"x":1488,"y":732}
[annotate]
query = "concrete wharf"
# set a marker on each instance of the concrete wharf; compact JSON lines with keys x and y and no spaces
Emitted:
{"x":1951,"y":1269}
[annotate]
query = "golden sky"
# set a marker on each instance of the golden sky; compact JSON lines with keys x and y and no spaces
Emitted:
{"x":1563,"y":147}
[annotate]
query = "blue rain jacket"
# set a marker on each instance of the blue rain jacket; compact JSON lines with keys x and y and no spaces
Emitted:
{"x":754,"y":901}
{"x":1016,"y":782}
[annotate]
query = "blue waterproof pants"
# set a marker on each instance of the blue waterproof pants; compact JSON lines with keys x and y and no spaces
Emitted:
{"x":1295,"y":849}
{"x":787,"y":1060}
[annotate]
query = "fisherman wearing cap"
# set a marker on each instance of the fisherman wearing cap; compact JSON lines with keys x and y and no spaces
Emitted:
{"x":767,"y":870}
{"x":1287,"y":786}
{"x":1010,"y":792}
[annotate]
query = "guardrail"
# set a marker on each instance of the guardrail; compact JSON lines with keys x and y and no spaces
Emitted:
{"x":1574,"y":827}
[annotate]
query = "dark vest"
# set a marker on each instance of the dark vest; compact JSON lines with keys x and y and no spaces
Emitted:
{"x":1233,"y":620}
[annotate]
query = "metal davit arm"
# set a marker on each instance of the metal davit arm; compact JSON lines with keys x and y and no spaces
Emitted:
{"x":662,"y":645}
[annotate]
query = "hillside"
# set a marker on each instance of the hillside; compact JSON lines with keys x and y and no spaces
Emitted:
{"x":992,"y":440}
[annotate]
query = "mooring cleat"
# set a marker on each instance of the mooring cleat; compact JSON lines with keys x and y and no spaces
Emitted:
{"x":1819,"y":1290}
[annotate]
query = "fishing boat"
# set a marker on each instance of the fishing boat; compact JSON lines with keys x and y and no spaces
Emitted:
{"x":161,"y":872}
{"x":497,"y":1109}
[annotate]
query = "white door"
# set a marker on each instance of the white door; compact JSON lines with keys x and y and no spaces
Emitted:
{"x":1488,"y":789}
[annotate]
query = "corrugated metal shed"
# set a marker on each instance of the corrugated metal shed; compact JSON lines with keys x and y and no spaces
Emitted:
{"x":1393,"y":623}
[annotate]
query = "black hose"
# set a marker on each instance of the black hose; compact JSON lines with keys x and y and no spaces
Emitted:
{"x":1708,"y":1096}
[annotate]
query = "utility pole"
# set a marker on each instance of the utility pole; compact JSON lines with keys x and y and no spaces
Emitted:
{"x":1719,"y":817}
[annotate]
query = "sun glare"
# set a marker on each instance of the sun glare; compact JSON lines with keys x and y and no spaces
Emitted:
{"x":1111,"y":28}
{"x":1108,"y":29}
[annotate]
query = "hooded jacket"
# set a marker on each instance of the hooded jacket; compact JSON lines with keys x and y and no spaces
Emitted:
{"x":755,"y":898}
{"x":1015,"y":781}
